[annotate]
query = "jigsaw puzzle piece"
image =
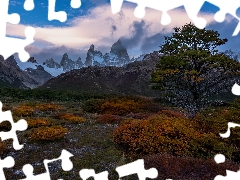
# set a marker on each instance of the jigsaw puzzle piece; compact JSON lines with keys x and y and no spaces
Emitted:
{"x":6,"y":18}
{"x":21,"y":125}
{"x":28,"y":171}
{"x":137,"y":167}
{"x":87,"y":173}
{"x":116,"y":5}
{"x":192,"y":9}
{"x":220,"y":158}
{"x":13,"y":45}
{"x":66,"y":166}
{"x":75,"y":4}
{"x":230,"y":125}
{"x":65,"y":158}
{"x":60,"y":15}
{"x":227,"y":7}
{"x":8,"y":162}
{"x":29,"y":5}
{"x":229,"y":175}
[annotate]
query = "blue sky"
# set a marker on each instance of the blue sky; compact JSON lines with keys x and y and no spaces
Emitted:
{"x":93,"y":23}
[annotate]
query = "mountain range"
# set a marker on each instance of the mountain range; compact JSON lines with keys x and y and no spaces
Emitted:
{"x":131,"y":78}
{"x":113,"y":71}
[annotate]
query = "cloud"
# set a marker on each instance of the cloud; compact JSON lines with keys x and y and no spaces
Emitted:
{"x":102,"y":28}
{"x":152,"y":43}
{"x":137,"y":30}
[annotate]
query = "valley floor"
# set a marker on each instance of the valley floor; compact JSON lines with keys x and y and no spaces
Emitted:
{"x":57,"y":125}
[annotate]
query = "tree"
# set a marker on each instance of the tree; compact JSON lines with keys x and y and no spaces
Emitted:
{"x":191,"y":69}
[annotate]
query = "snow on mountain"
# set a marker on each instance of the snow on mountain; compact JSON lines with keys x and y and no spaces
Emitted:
{"x":118,"y":56}
{"x":25,"y":65}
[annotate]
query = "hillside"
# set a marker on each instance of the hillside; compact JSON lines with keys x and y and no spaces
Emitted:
{"x":131,"y":78}
{"x":12,"y":76}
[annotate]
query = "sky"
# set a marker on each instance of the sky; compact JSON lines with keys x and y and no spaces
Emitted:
{"x":94,"y":23}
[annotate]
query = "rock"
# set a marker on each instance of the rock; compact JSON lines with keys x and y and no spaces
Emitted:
{"x":51,"y":64}
{"x":66,"y":63}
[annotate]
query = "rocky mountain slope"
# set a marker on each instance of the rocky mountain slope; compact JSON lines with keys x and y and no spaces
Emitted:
{"x":12,"y":76}
{"x":130,"y":78}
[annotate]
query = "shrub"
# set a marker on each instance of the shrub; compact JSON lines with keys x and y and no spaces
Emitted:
{"x":47,"y":107}
{"x":23,"y":111}
{"x":93,"y":105}
{"x":171,"y":113}
{"x":72,"y":118}
{"x":47,"y":133}
{"x":173,"y":135}
{"x":69,"y":117}
{"x":181,"y":168}
{"x":38,"y":122}
{"x":138,"y":115}
{"x":109,"y":118}
{"x":120,"y":105}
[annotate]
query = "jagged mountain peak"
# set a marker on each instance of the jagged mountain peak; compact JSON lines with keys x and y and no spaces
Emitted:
{"x":32,"y":60}
{"x":131,"y":78}
{"x":51,"y":63}
{"x":117,"y":46}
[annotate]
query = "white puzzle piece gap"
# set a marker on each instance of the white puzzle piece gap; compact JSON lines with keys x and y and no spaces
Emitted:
{"x":21,"y":125}
{"x":66,"y":166}
{"x":192,"y":9}
{"x":137,"y":167}
{"x":13,"y":45}
{"x":87,"y":173}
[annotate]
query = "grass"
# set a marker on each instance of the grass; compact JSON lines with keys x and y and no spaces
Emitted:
{"x":89,"y":140}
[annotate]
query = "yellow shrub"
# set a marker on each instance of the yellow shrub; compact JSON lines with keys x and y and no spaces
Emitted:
{"x":72,"y":118}
{"x":163,"y":134}
{"x":47,"y":107}
{"x":38,"y":122}
{"x":48,"y":133}
{"x":23,"y":111}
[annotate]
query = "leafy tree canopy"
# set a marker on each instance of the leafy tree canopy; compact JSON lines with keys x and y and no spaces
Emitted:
{"x":191,"y":69}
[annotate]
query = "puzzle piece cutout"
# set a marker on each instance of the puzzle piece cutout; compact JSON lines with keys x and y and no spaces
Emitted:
{"x":66,"y":166}
{"x":60,"y":15}
{"x":52,"y":14}
{"x":87,"y":173}
{"x":227,"y":7}
{"x":21,"y":125}
{"x":8,"y":162}
{"x":230,"y":125}
{"x":236,"y":89}
{"x":137,"y":167}
{"x":220,"y":158}
{"x":192,"y":9}
{"x":12,"y":45}
{"x":230,"y":175}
